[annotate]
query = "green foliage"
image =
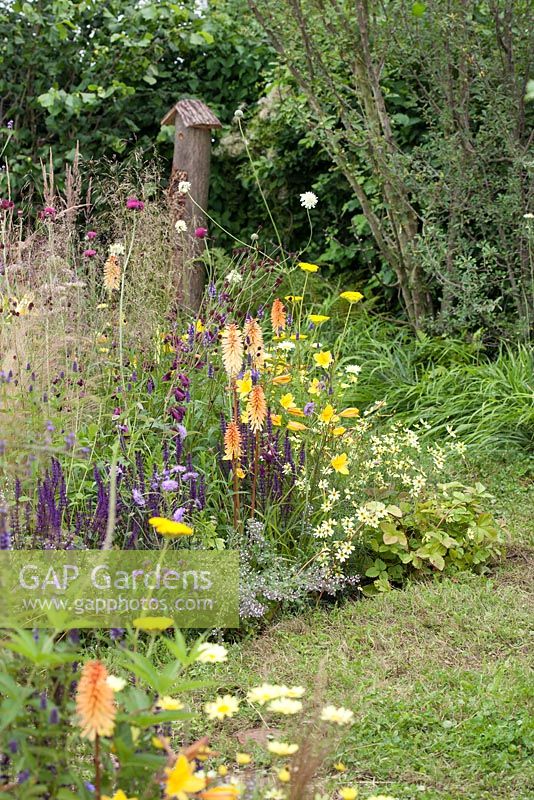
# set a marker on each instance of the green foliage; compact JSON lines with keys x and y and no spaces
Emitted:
{"x":104,"y":74}
{"x":448,"y":532}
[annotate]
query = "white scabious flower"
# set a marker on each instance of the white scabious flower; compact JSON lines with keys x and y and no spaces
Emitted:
{"x":116,"y":249}
{"x":308,"y":200}
{"x":234,"y":277}
{"x":180,"y":226}
{"x":184,"y":187}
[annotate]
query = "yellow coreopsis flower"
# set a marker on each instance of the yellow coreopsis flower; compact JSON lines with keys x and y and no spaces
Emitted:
{"x":294,"y":298}
{"x":282,"y":748}
{"x":323,"y":359}
{"x":119,"y":795}
{"x":307,"y":267}
{"x":328,"y":414}
{"x":287,"y":401}
{"x":244,"y":385}
{"x":168,"y":527}
{"x":339,"y":766}
{"x":222,"y":707}
{"x":348,"y":793}
{"x":318,"y":319}
{"x":181,"y":780}
{"x":339,"y":463}
{"x":242,"y":759}
{"x":199,"y":326}
{"x":352,"y":297}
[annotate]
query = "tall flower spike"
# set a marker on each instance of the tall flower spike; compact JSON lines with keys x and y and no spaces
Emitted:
{"x":232,"y":442}
{"x":95,"y":701}
{"x":254,"y":342}
{"x":278,"y":316}
{"x":112,"y":274}
{"x":257,"y":408}
{"x":232,"y":350}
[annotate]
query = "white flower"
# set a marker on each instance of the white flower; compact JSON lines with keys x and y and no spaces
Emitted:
{"x":238,"y":113}
{"x":262,"y":694}
{"x":180,"y":226}
{"x":254,"y":237}
{"x":528,"y":215}
{"x":308,"y":200}
{"x":184,"y":187}
{"x":234,"y":277}
{"x":116,"y":249}
{"x":211,"y":653}
{"x":117,"y":684}
{"x":341,"y":716}
{"x":353,"y":369}
{"x":286,"y":345}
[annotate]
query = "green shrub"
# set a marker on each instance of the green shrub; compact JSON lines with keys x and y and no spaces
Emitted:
{"x":448,"y":532}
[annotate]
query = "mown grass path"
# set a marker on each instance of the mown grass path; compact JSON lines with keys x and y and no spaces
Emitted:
{"x":440,"y":676}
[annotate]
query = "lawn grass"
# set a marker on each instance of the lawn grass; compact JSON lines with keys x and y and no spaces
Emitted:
{"x":440,"y":675}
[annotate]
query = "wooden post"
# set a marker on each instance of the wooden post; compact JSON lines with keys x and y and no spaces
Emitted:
{"x":193,"y":122}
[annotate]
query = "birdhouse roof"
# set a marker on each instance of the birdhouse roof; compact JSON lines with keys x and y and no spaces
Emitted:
{"x":193,"y":113}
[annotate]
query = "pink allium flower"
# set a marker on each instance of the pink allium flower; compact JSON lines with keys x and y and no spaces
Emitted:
{"x":201,"y":233}
{"x":134,"y":204}
{"x":90,"y":235}
{"x":89,"y":253}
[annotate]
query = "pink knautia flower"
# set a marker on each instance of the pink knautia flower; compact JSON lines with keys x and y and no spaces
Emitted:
{"x":91,"y":235}
{"x":7,"y":205}
{"x":89,"y":253}
{"x":201,"y":233}
{"x":133,"y":204}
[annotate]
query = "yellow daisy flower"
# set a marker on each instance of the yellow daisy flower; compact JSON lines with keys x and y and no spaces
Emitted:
{"x":323,"y":359}
{"x":287,"y":401}
{"x":339,"y":463}
{"x":181,"y":780}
